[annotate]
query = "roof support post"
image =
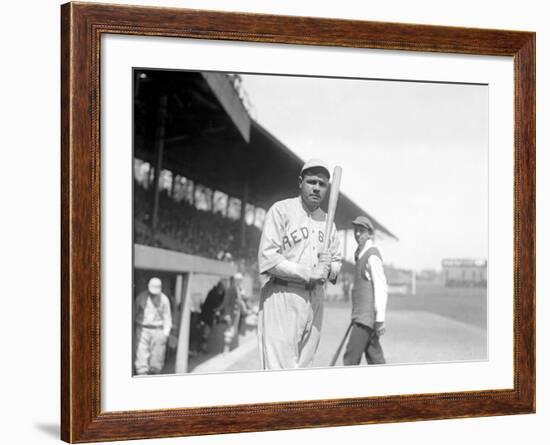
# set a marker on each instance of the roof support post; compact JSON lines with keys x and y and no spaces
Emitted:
{"x":159,"y":150}
{"x":191,"y":192}
{"x":243,"y":213}
{"x":346,"y":233}
{"x":227,"y":206}
{"x":173,"y":186}
{"x":182,"y":354}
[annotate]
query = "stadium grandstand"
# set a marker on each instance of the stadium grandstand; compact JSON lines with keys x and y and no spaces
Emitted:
{"x":204,"y":174}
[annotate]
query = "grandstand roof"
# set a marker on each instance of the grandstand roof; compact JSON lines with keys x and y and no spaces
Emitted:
{"x":202,"y":143}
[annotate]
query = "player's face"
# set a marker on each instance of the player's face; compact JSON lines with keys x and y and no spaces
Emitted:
{"x":313,"y":187}
{"x":361,"y":234}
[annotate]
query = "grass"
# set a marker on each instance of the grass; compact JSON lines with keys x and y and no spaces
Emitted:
{"x":466,"y":305}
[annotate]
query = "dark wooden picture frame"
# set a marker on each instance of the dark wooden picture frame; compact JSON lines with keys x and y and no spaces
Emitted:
{"x":82,"y":26}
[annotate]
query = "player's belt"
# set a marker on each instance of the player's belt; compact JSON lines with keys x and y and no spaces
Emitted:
{"x":150,"y":326}
{"x":281,"y":282}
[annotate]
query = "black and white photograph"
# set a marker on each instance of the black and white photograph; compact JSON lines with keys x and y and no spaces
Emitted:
{"x":276,"y":222}
{"x":286,"y":222}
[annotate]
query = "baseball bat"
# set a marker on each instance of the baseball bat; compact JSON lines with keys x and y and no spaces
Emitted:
{"x":332,"y":202}
{"x":337,"y":353}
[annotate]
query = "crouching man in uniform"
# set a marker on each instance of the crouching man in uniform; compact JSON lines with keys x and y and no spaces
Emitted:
{"x":153,"y":323}
{"x":369,"y":298}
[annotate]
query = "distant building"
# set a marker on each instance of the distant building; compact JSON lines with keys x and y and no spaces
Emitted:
{"x":464,"y":272}
{"x":400,"y":281}
{"x":430,"y":275}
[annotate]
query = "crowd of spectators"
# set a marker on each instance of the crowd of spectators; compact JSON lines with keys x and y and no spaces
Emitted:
{"x":182,"y":227}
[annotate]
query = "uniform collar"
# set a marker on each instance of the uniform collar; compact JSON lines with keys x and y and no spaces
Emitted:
{"x":368,"y":244}
{"x":304,"y":207}
{"x":152,"y":297}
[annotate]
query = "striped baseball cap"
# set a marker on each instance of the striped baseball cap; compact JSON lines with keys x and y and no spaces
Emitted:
{"x":315,"y":163}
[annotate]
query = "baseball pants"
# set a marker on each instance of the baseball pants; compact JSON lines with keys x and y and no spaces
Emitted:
{"x":363,"y":339}
{"x":289,"y":325}
{"x":150,"y":350}
{"x":231,"y":334}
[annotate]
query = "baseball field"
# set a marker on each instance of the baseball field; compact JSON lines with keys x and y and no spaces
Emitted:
{"x":437,"y":324}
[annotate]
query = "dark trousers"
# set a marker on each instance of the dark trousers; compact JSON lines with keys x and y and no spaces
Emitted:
{"x":363,"y":339}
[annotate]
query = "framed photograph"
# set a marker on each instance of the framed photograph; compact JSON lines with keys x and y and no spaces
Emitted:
{"x":274,"y":222}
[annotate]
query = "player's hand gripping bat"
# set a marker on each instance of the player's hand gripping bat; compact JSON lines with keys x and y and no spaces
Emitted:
{"x":332,"y":202}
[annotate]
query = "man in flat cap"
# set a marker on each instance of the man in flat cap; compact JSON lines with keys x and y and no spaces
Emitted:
{"x":293,"y":270}
{"x":369,"y":297}
{"x":231,"y":310}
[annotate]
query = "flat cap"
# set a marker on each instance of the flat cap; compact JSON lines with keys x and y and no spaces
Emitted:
{"x":363,"y":221}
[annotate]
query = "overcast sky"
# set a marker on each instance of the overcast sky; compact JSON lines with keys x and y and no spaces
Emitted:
{"x":414,"y":155}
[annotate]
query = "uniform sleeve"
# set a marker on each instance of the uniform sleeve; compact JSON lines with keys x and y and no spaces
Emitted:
{"x":166,"y":315}
{"x":135,"y":308}
{"x":335,"y":249}
{"x":380,"y":287}
{"x":137,"y":303}
{"x":289,"y":270}
{"x":269,"y":251}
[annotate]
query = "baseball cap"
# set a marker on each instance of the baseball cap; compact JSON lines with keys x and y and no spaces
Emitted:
{"x":363,"y":221}
{"x":155,"y":286}
{"x":315,"y":163}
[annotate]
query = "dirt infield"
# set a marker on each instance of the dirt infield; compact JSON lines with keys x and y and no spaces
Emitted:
{"x":436,"y":325}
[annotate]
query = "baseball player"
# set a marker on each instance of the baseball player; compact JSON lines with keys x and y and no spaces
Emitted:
{"x":232,"y":311}
{"x":153,"y":323}
{"x":368,"y":298}
{"x":293,"y":271}
{"x":209,"y":311}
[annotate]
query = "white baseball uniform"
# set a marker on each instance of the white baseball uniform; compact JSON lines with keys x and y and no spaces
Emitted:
{"x":291,"y":310}
{"x":153,"y":326}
